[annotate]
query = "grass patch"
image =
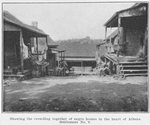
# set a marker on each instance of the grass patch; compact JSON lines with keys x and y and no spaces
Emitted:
{"x":82,"y":97}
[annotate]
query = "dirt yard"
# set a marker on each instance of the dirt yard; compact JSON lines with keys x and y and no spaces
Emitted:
{"x":76,"y":93}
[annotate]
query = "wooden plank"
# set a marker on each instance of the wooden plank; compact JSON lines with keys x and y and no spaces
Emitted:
{"x":135,"y":66}
{"x":13,"y":75}
{"x":37,"y":47}
{"x":135,"y":70}
{"x":137,"y":74}
{"x":111,"y":59}
{"x":10,"y":27}
{"x":122,"y":63}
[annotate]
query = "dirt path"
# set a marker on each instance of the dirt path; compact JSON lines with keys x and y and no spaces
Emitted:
{"x":89,"y":89}
{"x":41,"y":84}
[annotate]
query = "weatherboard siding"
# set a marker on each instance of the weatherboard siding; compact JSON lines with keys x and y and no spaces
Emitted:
{"x":10,"y":27}
{"x":133,"y":40}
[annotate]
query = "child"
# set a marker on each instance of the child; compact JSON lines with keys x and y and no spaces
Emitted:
{"x":104,"y":67}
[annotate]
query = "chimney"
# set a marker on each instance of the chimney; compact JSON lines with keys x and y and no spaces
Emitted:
{"x":35,"y":24}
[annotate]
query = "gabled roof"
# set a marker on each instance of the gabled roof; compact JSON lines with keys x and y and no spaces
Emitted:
{"x":43,"y":45}
{"x":12,"y":19}
{"x":115,"y":16}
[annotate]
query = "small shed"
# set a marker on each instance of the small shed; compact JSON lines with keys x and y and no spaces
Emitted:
{"x":55,"y":58}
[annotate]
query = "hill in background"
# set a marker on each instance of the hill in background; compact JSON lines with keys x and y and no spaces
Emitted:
{"x":84,"y":47}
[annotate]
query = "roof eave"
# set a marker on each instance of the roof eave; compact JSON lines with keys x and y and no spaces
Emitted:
{"x":25,"y":27}
{"x":52,"y":46}
{"x":107,"y":24}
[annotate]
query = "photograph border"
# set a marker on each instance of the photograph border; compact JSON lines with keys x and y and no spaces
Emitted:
{"x":62,"y":112}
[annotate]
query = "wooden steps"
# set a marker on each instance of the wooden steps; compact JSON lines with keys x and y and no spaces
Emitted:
{"x":135,"y":66}
{"x":137,"y":74}
{"x":128,"y":65}
{"x":133,"y":69}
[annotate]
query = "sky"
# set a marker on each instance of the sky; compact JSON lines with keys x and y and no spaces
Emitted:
{"x":63,"y":21}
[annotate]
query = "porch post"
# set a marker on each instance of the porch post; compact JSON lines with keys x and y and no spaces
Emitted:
{"x":58,"y":57}
{"x":37,"y":47}
{"x":110,"y":34}
{"x":118,"y":51}
{"x":106,"y":38}
{"x":31,"y":46}
{"x":46,"y":41}
{"x":61,"y":56}
{"x":119,"y":25}
{"x":64,"y":55}
{"x":110,"y":40}
{"x":21,"y":51}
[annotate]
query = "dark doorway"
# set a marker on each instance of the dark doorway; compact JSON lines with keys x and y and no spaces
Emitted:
{"x":52,"y":60}
{"x":11,"y":49}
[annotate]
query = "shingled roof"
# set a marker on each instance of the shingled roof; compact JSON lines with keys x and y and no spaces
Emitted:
{"x":12,"y":19}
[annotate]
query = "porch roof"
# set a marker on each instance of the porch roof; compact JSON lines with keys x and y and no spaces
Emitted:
{"x":101,"y":44}
{"x":113,"y":35}
{"x":138,"y":9}
{"x":27,"y":28}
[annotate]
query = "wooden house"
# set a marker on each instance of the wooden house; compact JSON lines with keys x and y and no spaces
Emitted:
{"x":55,"y":57}
{"x":18,"y":61}
{"x":130,"y":42}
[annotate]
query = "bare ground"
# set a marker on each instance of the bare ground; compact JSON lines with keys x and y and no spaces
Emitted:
{"x":76,"y":93}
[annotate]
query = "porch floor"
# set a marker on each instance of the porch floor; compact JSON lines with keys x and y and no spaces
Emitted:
{"x":124,"y":59}
{"x":129,"y":65}
{"x":21,"y":76}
